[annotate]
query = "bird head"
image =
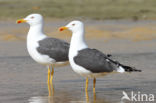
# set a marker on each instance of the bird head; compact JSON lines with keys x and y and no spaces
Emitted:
{"x":73,"y":26}
{"x":31,"y":19}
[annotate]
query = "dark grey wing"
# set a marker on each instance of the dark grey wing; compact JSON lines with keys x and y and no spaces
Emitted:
{"x":54,"y":48}
{"x":94,"y":61}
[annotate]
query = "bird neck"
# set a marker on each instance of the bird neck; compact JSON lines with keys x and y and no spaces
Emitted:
{"x":77,"y":42}
{"x":36,"y":29}
{"x":35,"y":33}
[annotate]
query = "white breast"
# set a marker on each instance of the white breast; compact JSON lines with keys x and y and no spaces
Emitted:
{"x":78,"y":69}
{"x":77,"y":43}
{"x":32,"y":44}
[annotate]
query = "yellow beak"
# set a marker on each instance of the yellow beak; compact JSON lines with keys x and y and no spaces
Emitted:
{"x":21,"y":21}
{"x":62,"y":28}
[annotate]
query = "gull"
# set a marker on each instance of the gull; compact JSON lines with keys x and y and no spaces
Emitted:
{"x":90,"y":63}
{"x":43,"y":49}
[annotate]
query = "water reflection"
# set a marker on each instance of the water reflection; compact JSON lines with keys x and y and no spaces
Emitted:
{"x":68,"y":97}
{"x":65,"y":97}
{"x":38,"y":100}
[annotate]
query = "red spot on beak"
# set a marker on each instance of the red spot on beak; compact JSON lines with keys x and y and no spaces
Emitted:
{"x":63,"y":28}
{"x":19,"y":22}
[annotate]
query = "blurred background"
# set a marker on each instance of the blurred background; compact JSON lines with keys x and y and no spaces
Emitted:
{"x":99,"y":9}
{"x":125,"y":13}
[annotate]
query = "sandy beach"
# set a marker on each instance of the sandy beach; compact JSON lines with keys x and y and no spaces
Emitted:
{"x":22,"y":80}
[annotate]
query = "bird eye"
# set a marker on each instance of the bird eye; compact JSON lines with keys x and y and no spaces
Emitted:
{"x":32,"y":17}
{"x":73,"y":24}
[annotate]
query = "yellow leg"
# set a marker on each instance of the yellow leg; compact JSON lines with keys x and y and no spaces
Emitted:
{"x":87,"y":97}
{"x":94,"y":93}
{"x":86,"y":89}
{"x":86,"y":85}
{"x":49,"y":89}
{"x":51,"y":80}
{"x":94,"y":83}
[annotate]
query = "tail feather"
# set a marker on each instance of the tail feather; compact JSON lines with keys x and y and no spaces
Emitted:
{"x":130,"y":69}
{"x":126,"y":68}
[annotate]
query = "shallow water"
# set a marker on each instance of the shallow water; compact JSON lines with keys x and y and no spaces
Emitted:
{"x":22,"y":80}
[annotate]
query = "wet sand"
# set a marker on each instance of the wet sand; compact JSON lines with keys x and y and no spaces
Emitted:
{"x":22,"y":80}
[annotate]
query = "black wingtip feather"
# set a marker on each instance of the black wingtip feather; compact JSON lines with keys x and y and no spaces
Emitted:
{"x":127,"y":68}
{"x":109,"y":55}
{"x":130,"y":69}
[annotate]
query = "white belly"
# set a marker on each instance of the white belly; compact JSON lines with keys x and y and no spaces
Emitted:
{"x":42,"y":59}
{"x":32,"y":45}
{"x":78,"y":69}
